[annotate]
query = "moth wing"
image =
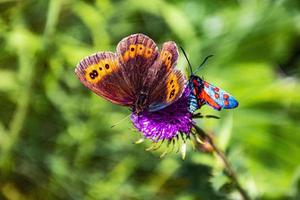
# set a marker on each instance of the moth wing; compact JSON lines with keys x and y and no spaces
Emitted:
{"x":217,"y":98}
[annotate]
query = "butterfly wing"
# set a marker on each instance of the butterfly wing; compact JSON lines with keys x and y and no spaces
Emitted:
{"x":102,"y":73}
{"x":216,"y":97}
{"x":119,"y":76}
{"x":136,"y":54}
{"x":167,"y":82}
{"x":135,"y":74}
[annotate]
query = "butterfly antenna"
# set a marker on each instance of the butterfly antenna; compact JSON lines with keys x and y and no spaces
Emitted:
{"x":204,"y":61}
{"x":119,"y":122}
{"x":190,"y":66}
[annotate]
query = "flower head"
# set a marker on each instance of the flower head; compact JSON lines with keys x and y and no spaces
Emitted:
{"x":173,"y":124}
{"x":167,"y":122}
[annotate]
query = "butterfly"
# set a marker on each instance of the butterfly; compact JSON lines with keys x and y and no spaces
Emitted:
{"x":202,"y":92}
{"x":137,"y":75}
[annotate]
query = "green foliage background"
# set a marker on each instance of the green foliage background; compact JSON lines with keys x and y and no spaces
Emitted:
{"x":55,"y":135}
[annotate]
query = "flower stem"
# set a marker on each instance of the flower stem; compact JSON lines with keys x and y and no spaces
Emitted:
{"x":230,"y":172}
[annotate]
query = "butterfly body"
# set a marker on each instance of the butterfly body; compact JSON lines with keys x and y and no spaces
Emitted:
{"x":141,"y":102}
{"x":137,"y":75}
{"x":202,"y":92}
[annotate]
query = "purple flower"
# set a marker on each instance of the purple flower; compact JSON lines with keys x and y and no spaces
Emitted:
{"x":166,"y":123}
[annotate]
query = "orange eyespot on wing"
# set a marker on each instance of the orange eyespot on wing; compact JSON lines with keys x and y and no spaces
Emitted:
{"x":148,"y":53}
{"x":92,"y":74}
{"x":137,"y":49}
{"x":168,"y":82}
{"x":95,"y":72}
{"x":168,"y":89}
{"x":166,"y":57}
{"x":132,"y":51}
{"x":172,"y":87}
{"x":140,"y":49}
{"x":169,"y":55}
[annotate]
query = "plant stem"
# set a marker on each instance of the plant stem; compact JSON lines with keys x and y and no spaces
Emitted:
{"x":230,"y":172}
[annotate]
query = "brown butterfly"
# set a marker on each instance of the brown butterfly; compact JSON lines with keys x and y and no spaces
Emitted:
{"x":137,"y":75}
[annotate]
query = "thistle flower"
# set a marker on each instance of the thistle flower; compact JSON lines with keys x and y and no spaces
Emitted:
{"x":173,"y":125}
{"x":165,"y":123}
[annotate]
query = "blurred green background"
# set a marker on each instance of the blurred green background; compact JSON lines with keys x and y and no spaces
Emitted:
{"x":55,"y":135}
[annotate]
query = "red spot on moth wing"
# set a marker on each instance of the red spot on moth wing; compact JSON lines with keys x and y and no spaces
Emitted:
{"x":225,"y":96}
{"x":206,"y":84}
{"x":226,"y":103}
{"x":203,"y":95}
{"x":216,"y":89}
{"x":217,"y":95}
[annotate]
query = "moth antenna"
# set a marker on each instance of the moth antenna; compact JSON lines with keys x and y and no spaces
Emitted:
{"x":119,"y":122}
{"x":204,"y":61}
{"x":190,"y":66}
